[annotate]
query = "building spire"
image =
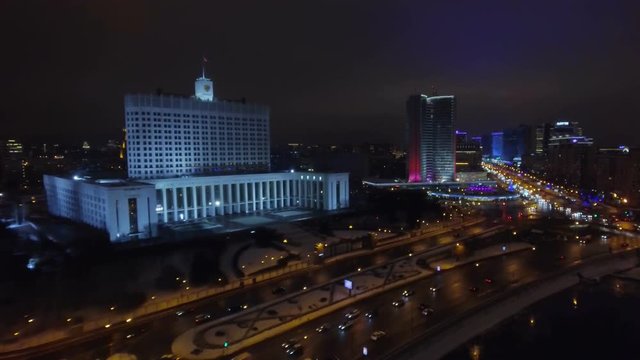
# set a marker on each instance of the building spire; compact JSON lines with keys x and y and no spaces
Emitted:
{"x":204,"y":61}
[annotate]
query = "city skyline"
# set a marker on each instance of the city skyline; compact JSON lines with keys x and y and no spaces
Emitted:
{"x":324,"y":84}
{"x":319,"y":180}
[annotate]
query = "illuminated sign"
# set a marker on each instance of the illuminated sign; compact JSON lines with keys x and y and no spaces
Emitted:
{"x":562,"y":123}
{"x":348,"y":284}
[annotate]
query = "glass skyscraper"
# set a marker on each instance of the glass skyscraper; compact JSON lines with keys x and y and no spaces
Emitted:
{"x":431,"y":141}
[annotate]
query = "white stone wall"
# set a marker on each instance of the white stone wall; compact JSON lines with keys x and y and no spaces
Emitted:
{"x":173,"y":136}
{"x":103,"y":206}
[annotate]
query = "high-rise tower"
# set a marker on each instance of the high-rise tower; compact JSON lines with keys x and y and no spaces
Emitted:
{"x":170,"y":135}
{"x":431,"y":141}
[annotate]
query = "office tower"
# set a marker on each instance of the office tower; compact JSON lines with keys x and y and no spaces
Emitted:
{"x":487,"y":145}
{"x":170,"y":135}
{"x":516,"y":143}
{"x":468,"y":153}
{"x":497,"y":144}
{"x":431,"y":142}
{"x":543,"y":133}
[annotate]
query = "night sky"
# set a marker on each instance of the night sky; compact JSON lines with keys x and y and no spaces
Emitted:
{"x":331,"y":71}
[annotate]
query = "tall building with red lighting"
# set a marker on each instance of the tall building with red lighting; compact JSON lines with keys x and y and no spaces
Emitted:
{"x":430,"y":138}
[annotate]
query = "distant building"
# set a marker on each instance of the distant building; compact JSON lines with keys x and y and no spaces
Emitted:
{"x":618,"y":174}
{"x":543,"y":133}
{"x":571,"y":161}
{"x":468,"y":154}
{"x":13,"y":167}
{"x":516,"y":143}
{"x":497,"y":144}
{"x":431,"y":142}
{"x":487,"y":145}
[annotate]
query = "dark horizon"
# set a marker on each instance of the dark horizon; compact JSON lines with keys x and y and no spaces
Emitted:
{"x":336,"y":72}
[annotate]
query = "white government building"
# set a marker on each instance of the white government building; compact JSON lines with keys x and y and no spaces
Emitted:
{"x":173,"y":145}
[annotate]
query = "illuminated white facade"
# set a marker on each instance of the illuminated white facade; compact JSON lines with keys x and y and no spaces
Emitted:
{"x":132,"y":210}
{"x":210,"y":196}
{"x":171,"y":136}
{"x":174,"y":146}
{"x":124,"y":209}
{"x":204,"y":89}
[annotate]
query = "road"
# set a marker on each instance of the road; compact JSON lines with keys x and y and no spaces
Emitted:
{"x":453,"y":297}
{"x":559,"y":196}
{"x":152,"y":338}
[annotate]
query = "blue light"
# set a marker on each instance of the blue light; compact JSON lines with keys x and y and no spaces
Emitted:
{"x":31,"y":265}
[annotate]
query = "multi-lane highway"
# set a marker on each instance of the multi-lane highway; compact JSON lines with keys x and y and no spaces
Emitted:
{"x":455,"y":294}
{"x":152,"y":338}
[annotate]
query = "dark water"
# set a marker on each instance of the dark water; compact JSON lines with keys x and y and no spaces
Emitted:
{"x":604,"y":323}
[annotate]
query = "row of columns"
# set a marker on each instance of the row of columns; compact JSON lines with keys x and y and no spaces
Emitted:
{"x":265,"y":195}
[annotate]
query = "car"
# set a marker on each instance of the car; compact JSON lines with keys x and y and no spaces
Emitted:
{"x":434,"y":288}
{"x":182,"y":312}
{"x":398,"y":303}
{"x":377,"y":335}
{"x":294,"y":350}
{"x":427,"y":311}
{"x":346,"y":325}
{"x":200,"y":318}
{"x":488,"y":281}
{"x":322,"y":328}
{"x":474,"y":289}
{"x":352,"y":314}
{"x":169,"y":357}
{"x":135,"y":332}
{"x":407,"y":293}
{"x":423,"y":306}
{"x":236,"y":308}
{"x":279,"y":291}
{"x":624,"y":245}
{"x":289,"y":343}
{"x":371,"y":314}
